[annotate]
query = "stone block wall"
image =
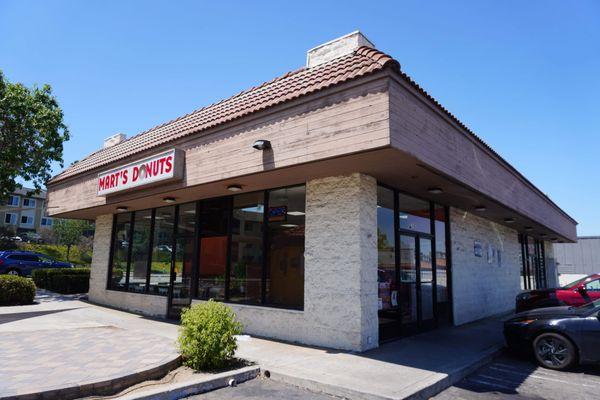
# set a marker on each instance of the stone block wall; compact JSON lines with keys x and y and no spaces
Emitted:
{"x":145,"y":304}
{"x":482,"y":286}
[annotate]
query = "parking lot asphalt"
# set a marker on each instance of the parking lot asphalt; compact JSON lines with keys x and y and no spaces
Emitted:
{"x":517,"y":376}
{"x":262,"y":389}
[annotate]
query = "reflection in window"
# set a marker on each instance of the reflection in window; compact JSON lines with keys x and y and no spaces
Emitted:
{"x":386,"y":258}
{"x":140,"y":251}
{"x":184,"y":253}
{"x":440,"y":254}
{"x":414,"y":214}
{"x":162,"y":249}
{"x":285,"y":273}
{"x":214,"y":221}
{"x":246,"y":248}
{"x":120,"y":250}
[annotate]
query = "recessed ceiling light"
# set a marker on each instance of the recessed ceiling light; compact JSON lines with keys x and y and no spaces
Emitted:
{"x":169,"y":199}
{"x":295,"y":213}
{"x":234,"y":188}
{"x":509,"y":220}
{"x":288,"y":225}
{"x":435,"y":190}
{"x":480,"y":208}
{"x":122,"y":208}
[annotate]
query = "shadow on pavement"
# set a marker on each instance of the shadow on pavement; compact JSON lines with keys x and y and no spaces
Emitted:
{"x":6,"y":318}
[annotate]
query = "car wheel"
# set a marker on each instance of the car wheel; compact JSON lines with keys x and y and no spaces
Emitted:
{"x":554,"y":351}
{"x":13,"y":272}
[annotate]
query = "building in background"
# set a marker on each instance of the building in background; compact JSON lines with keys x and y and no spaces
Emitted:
{"x":25,"y":212}
{"x":338,"y":205}
{"x":579,"y":259}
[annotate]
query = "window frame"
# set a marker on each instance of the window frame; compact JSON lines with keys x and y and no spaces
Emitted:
{"x":13,"y":196}
{"x":11,"y":222}
{"x":29,"y":204}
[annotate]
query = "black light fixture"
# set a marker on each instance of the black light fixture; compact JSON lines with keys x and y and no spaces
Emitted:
{"x":435,"y":190}
{"x":234,"y":188}
{"x":480,"y":208}
{"x":169,"y":199}
{"x":262,"y":144}
{"x":122,"y":208}
{"x":528,"y":228}
{"x":509,"y":220}
{"x":543,"y":235}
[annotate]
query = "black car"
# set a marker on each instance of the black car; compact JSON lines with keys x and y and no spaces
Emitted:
{"x":559,"y":337}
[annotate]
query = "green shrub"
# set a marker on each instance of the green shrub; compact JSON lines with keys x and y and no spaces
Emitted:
{"x":63,"y":280}
{"x":16,"y":290}
{"x":207,"y":335}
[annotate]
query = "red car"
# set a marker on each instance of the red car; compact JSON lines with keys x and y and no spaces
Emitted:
{"x":582,"y":291}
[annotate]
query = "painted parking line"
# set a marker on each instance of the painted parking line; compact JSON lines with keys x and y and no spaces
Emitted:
{"x":487,"y":383}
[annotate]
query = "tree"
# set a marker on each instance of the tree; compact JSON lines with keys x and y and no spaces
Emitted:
{"x":32,"y":133}
{"x":70,"y":231}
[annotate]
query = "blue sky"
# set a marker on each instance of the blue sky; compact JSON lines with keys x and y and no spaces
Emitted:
{"x":525,"y":76}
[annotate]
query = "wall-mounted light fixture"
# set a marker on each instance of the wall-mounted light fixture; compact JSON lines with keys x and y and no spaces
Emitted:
{"x":262,"y":144}
{"x":122,"y":208}
{"x":480,"y":208}
{"x":509,"y":220}
{"x":528,"y":228}
{"x":234,"y":188}
{"x":435,"y":190}
{"x":169,"y":199}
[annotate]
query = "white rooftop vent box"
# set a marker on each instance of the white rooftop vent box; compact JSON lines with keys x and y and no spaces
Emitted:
{"x":114,"y":140}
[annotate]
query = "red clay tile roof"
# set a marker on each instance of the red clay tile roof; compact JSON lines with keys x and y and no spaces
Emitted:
{"x":292,"y":85}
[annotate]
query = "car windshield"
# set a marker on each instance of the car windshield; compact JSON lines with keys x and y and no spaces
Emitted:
{"x":589,"y":306}
{"x":575,"y":283}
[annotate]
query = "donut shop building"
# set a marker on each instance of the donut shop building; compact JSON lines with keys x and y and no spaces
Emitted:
{"x":338,"y":205}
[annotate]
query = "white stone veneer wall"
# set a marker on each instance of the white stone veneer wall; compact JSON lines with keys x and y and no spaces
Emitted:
{"x":340,"y":268}
{"x":481,"y":289}
{"x":145,"y":304}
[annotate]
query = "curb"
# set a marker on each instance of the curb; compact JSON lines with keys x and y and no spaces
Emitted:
{"x":198,"y":386}
{"x":427,"y":389}
{"x":102,"y":388}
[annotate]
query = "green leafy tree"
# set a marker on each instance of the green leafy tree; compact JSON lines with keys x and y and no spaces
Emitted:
{"x":32,"y":133}
{"x":70,"y":231}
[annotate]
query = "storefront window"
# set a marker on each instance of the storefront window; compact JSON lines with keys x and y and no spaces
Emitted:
{"x":386,"y":248}
{"x":162,"y":250}
{"x":140,"y":251}
{"x":219,"y":244}
{"x":120,"y":251}
{"x":214,"y":240}
{"x":247,"y":248}
{"x":415,"y":214}
{"x":285,"y":272}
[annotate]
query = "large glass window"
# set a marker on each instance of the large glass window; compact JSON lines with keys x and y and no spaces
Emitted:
{"x":214,"y":240}
{"x":162,"y":249}
{"x":247,"y":248}
{"x":415,"y":214}
{"x":285,"y":272}
{"x":140,"y":251}
{"x":386,"y":248}
{"x":120,"y":251}
{"x":215,"y":249}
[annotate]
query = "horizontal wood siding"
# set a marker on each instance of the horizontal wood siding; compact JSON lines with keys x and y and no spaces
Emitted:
{"x":423,"y":132}
{"x":349,"y":119}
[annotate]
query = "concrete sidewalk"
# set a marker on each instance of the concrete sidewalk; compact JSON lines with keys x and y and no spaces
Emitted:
{"x":412,"y":368}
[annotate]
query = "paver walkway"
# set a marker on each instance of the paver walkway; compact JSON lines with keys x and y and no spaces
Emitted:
{"x":62,"y":342}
